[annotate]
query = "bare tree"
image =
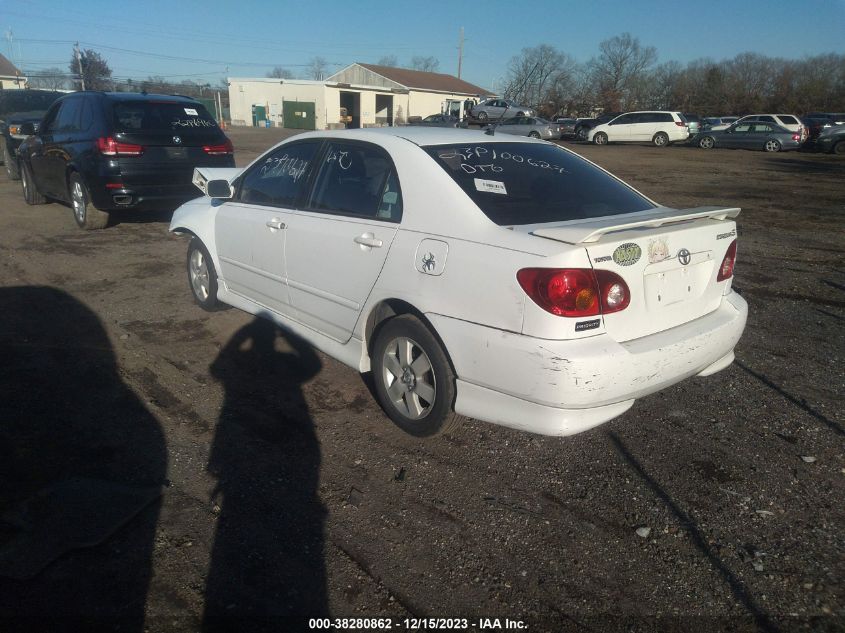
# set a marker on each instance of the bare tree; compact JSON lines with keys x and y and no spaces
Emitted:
{"x":388,"y":60}
{"x":50,"y":79}
{"x":426,"y":64}
{"x":95,"y":70}
{"x":620,"y":70}
{"x":280,"y":72}
{"x":317,"y":68}
{"x":542,"y":77}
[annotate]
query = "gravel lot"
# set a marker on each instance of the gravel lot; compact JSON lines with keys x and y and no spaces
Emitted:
{"x":713,"y":505}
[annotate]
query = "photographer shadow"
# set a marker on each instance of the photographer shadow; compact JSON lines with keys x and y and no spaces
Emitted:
{"x":267,"y":559}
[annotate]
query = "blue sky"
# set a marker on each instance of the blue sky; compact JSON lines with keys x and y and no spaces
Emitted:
{"x":189,"y":39}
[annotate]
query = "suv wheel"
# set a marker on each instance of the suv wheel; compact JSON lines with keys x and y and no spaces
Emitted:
{"x":13,"y":170}
{"x":30,"y":191}
{"x":86,"y":215}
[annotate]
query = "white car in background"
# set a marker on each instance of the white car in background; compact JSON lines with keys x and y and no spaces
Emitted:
{"x":501,"y":278}
{"x":658,"y":127}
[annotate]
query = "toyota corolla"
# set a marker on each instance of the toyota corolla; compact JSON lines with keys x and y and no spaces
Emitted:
{"x":489,"y":276}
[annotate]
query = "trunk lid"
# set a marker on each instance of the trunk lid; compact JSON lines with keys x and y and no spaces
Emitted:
{"x":669,"y":259}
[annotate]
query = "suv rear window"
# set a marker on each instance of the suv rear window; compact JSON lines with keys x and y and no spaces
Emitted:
{"x":162,"y":116}
{"x":789,"y":120}
{"x":522,"y":183}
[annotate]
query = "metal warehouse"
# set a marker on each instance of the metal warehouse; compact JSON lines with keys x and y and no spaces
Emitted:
{"x":360,"y":95}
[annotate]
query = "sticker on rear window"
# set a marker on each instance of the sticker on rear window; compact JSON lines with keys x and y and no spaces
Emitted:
{"x":191,"y":111}
{"x":490,"y":186}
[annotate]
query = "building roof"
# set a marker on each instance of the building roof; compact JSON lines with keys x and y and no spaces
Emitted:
{"x":420,"y":80}
{"x":7,"y":68}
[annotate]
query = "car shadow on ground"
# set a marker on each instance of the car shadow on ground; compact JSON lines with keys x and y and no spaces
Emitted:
{"x":760,"y":617}
{"x":267,"y":562}
{"x":82,"y":464}
{"x":139,"y":217}
{"x":811,"y":164}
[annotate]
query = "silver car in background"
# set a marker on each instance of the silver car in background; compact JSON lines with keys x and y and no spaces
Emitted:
{"x":527,"y":126}
{"x":499,"y":109}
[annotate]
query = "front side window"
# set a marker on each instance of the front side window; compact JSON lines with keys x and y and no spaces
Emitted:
{"x":624,"y":119}
{"x":280,"y":178}
{"x":521,"y":183}
{"x":352,"y":181}
{"x":742,"y":128}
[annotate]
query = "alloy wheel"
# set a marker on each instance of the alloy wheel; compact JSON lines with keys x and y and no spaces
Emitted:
{"x":409,"y":378}
{"x":199,"y":275}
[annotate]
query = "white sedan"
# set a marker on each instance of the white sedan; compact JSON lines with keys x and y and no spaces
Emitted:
{"x":505,"y":279}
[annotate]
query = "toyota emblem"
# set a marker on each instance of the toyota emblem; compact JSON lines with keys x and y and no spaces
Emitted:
{"x":177,"y":139}
{"x":684,"y":256}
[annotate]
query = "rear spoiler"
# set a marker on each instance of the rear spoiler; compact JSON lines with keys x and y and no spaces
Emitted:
{"x":203,"y":174}
{"x":586,"y":231}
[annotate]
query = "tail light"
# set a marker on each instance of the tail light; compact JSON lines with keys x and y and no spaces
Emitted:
{"x":726,"y":270}
{"x":796,"y":137}
{"x":219,"y":150}
{"x":575,"y":292}
{"x":680,"y":124}
{"x":108,"y":146}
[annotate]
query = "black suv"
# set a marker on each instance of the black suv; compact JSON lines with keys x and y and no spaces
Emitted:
{"x":105,"y":151}
{"x":16,"y":108}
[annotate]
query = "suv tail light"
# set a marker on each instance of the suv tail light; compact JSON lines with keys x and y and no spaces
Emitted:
{"x":108,"y":146}
{"x":575,"y":292}
{"x":680,"y":124}
{"x":726,"y":270}
{"x":219,"y":150}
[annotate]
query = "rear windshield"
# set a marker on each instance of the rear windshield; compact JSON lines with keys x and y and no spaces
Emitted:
{"x":162,"y":116}
{"x":522,"y":183}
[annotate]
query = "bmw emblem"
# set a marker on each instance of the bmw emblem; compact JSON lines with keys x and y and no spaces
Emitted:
{"x":177,"y":139}
{"x":684,"y":256}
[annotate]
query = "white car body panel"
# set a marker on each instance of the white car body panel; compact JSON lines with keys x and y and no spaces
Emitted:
{"x":515,"y":363}
{"x":640,"y":132}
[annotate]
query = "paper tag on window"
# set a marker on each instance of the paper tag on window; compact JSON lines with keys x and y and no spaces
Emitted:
{"x":490,"y":186}
{"x":191,"y":111}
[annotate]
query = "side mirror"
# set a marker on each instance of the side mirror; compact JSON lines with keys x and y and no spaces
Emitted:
{"x":219,"y":189}
{"x":28,"y":129}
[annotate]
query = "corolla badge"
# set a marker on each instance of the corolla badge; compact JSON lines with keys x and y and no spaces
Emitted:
{"x":177,"y":139}
{"x":627,"y":254}
{"x":684,"y":256}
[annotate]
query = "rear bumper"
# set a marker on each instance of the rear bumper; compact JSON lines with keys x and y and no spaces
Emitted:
{"x":149,"y":198}
{"x":565,"y":387}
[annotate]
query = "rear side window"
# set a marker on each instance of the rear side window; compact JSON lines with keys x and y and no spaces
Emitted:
{"x":353,"y":180}
{"x":521,"y":183}
{"x":183,"y":118}
{"x":280,"y":178}
{"x":788,"y":120}
{"x":770,"y":119}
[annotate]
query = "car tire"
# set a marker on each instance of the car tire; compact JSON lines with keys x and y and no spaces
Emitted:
{"x":413,"y":378}
{"x":30,"y":190}
{"x":600,"y":138}
{"x":13,"y":170}
{"x":482,"y":116}
{"x":86,"y":215}
{"x":839,"y":148}
{"x":772,"y":146}
{"x":706,"y":142}
{"x":534,"y":134}
{"x":661,"y":139}
{"x":202,"y":276}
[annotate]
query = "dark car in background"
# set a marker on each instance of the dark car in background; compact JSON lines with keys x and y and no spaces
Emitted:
{"x":817,"y":122}
{"x":695,"y":124}
{"x":106,"y":151}
{"x":566,"y":125}
{"x":750,"y":134}
{"x":18,"y":107}
{"x":583,"y":126}
{"x":437,"y":120}
{"x":832,"y":139}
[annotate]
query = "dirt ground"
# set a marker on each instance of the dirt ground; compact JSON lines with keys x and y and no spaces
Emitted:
{"x":286,"y":490}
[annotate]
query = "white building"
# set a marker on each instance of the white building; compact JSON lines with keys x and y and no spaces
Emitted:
{"x":370,"y":95}
{"x":10,"y":76}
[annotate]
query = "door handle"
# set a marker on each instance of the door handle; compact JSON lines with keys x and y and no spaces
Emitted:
{"x":275,"y":223}
{"x":368,"y":240}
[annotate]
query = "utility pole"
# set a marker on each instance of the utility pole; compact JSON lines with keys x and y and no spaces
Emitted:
{"x":460,"y":52}
{"x":79,"y":64}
